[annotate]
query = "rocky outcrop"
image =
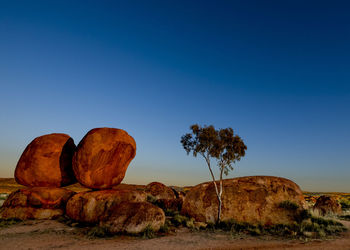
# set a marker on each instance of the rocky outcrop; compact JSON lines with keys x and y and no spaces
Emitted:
{"x":163,"y":196}
{"x":102,"y":157}
{"x":160,"y":191}
{"x":47,"y":162}
{"x":95,"y":206}
{"x":327,"y":205}
{"x":134,"y":217}
{"x":36,"y":203}
{"x":254,"y":199}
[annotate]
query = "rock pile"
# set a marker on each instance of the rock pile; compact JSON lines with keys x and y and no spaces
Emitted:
{"x":44,"y":167}
{"x":99,"y":162}
{"x":36,"y":203}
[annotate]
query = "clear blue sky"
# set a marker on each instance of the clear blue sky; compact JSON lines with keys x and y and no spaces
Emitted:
{"x":277,"y":72}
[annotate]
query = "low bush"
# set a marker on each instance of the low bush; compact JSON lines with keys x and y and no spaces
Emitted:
{"x":345,"y":204}
{"x":98,"y":232}
{"x":148,"y":233}
{"x":289,"y":205}
{"x":9,"y":222}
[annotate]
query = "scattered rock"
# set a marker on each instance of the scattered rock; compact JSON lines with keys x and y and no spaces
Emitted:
{"x":253,"y":199}
{"x":327,"y":205}
{"x":36,"y":203}
{"x":102,"y":157}
{"x":94,"y":206}
{"x":47,"y":162}
{"x":134,"y":217}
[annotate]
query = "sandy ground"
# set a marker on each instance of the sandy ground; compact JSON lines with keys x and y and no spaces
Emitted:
{"x":54,"y":235}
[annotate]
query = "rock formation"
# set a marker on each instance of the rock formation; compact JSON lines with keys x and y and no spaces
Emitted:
{"x":254,"y":199}
{"x":327,"y":205}
{"x":134,"y":217}
{"x":102,"y":157}
{"x":36,"y":203}
{"x":164,"y":196}
{"x":94,"y":206}
{"x":47,"y":162}
{"x":160,"y":191}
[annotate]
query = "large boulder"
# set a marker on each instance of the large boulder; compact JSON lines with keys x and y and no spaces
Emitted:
{"x":102,"y":157}
{"x":94,"y":206}
{"x":36,"y":203}
{"x":47,"y":162}
{"x":163,"y":196}
{"x":134,"y":217}
{"x":254,"y":199}
{"x":327,"y":205}
{"x":160,"y":191}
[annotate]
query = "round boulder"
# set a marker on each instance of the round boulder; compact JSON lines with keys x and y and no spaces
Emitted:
{"x":253,"y":199}
{"x":47,"y":162}
{"x":94,"y":206}
{"x":102,"y":157}
{"x":36,"y":203}
{"x":327,"y":205}
{"x":160,"y":191}
{"x":163,"y":196}
{"x":134,"y":217}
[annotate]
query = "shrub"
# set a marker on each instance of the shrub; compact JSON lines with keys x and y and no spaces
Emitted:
{"x":148,"y":233}
{"x":345,"y":204}
{"x":345,"y":217}
{"x":151,"y":199}
{"x":179,"y":220}
{"x":289,"y":205}
{"x":98,"y":232}
{"x":9,"y":222}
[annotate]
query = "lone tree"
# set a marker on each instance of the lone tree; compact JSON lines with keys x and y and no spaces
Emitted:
{"x":222,"y":145}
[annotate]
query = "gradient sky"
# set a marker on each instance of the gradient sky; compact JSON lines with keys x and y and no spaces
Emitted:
{"x":277,"y":72}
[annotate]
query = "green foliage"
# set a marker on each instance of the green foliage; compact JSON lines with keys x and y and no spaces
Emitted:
{"x":9,"y":222}
{"x":151,"y":199}
{"x":98,"y":232}
{"x":345,"y":204}
{"x":303,"y":214}
{"x":345,"y":217}
{"x":289,"y":205}
{"x":179,"y":220}
{"x":310,"y":227}
{"x":148,"y":233}
{"x":223,"y":145}
{"x":166,"y":227}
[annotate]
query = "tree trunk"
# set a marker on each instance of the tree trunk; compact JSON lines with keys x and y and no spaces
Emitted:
{"x":219,"y":209}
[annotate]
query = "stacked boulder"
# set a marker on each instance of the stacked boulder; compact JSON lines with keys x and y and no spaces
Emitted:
{"x":100,"y":163}
{"x":44,"y":167}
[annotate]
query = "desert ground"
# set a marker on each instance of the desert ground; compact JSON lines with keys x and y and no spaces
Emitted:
{"x":52,"y":234}
{"x":55,"y":235}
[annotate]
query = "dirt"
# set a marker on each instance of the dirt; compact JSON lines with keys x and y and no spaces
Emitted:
{"x":55,"y":235}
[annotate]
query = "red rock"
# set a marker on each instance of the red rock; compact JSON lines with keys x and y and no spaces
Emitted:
{"x":253,"y":199}
{"x":36,"y":203}
{"x":160,"y":191}
{"x":47,"y":162}
{"x":94,"y":206}
{"x":327,"y":205}
{"x":134,"y":217}
{"x":102,"y":157}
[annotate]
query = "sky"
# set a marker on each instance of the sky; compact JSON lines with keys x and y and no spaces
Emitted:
{"x":277,"y":72}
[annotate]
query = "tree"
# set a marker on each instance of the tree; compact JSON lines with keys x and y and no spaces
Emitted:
{"x":222,"y":145}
